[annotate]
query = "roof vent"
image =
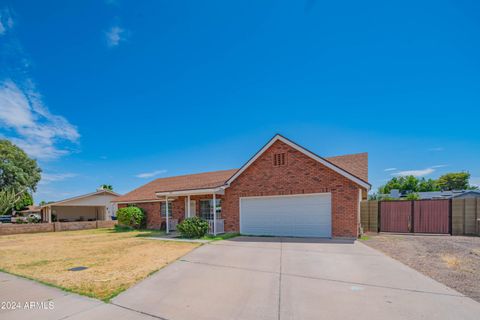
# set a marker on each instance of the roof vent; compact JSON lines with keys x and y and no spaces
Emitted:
{"x":279,"y":159}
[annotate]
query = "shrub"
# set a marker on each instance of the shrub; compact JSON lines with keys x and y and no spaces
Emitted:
{"x":33,"y":219}
{"x":412,"y":196}
{"x":193,"y":227}
{"x":19,"y":221}
{"x":131,"y":217}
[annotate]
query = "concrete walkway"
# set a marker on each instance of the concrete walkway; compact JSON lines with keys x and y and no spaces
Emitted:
{"x":64,"y":305}
{"x":261,"y":278}
{"x":285,"y":278}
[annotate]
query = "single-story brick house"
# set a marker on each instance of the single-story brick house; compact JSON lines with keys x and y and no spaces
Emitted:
{"x":284,"y":190}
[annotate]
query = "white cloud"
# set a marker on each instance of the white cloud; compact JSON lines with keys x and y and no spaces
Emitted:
{"x":48,"y":194}
{"x":436,"y":149}
{"x":30,"y":125}
{"x":6,"y":21}
{"x":390,"y":169}
{"x":150,"y":174}
{"x":415,"y":173}
{"x":440,"y":166}
{"x":114,"y":36}
{"x":54,"y":177}
{"x":475,"y":181}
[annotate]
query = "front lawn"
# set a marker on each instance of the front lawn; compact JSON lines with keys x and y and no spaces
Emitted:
{"x":115,"y":260}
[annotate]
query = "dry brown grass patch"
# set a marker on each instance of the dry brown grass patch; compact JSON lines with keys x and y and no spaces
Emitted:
{"x":115,"y":260}
{"x":451,"y":261}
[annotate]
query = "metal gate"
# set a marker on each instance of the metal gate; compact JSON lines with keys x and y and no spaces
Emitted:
{"x":431,"y":216}
{"x":419,"y":216}
{"x":395,"y":216}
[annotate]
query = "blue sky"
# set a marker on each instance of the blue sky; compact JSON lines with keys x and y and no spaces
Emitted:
{"x":124,"y":92}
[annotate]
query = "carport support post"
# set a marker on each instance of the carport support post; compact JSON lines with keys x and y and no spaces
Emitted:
{"x":214,"y":216}
{"x":166,"y":214}
{"x":188,"y":206}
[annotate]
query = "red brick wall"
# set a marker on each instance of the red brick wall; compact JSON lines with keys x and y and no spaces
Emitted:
{"x":152,"y":209}
{"x":301,"y":174}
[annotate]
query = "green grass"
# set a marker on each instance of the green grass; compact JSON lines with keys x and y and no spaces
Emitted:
{"x":364,"y":237}
{"x":223,"y":236}
{"x":150,"y":233}
{"x":143,"y":232}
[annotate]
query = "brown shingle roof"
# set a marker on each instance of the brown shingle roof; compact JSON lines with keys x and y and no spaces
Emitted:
{"x":186,"y":182}
{"x":356,"y":164}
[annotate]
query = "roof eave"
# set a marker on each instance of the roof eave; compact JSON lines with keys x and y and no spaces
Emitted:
{"x":80,"y":197}
{"x":186,"y":192}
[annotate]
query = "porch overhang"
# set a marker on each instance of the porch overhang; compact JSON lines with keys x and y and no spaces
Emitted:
{"x":179,"y":193}
{"x":167,"y":196}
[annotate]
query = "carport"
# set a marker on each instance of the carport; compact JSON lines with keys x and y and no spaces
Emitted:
{"x":89,"y":207}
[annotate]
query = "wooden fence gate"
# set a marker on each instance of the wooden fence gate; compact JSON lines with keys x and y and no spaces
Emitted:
{"x":419,"y":216}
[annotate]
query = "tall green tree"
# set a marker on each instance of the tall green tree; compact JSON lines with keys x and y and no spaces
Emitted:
{"x":8,"y":199}
{"x":24,"y":201}
{"x":106,"y":187}
{"x":425,"y":185}
{"x":455,"y":181}
{"x":17,"y":170}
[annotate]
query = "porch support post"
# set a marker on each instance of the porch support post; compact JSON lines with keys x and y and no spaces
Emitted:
{"x":49,"y":213}
{"x":214,"y":216}
{"x":188,"y":207}
{"x":166,"y":214}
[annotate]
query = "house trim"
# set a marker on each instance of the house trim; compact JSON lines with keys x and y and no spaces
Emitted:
{"x":217,"y":190}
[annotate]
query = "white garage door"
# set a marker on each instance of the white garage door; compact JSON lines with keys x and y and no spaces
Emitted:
{"x":297,"y":216}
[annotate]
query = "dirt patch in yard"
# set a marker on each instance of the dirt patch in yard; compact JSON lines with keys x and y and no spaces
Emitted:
{"x":114,"y":260}
{"x":451,"y":260}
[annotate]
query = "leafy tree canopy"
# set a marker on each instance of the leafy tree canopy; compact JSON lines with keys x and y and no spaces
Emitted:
{"x":24,"y":201}
{"x":8,"y":199}
{"x":409,"y":183}
{"x":455,"y":181}
{"x":449,"y":181}
{"x":43,"y":202}
{"x":106,"y":187}
{"x":17,"y":171}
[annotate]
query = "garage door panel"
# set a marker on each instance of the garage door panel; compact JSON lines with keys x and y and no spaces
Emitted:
{"x":303,"y":216}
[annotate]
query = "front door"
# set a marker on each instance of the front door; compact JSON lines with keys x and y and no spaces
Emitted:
{"x":193,"y":208}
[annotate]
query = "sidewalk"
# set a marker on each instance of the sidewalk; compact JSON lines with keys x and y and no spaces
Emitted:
{"x":37,"y":301}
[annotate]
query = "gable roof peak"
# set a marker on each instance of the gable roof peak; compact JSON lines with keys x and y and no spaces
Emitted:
{"x":329,"y":164}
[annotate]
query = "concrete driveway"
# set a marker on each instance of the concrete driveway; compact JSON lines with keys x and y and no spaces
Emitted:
{"x":286,"y":278}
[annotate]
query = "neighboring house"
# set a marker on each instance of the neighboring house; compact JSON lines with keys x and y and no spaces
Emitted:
{"x":283,"y":190}
{"x":88,"y":207}
{"x":457,"y":194}
{"x":30,"y":210}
